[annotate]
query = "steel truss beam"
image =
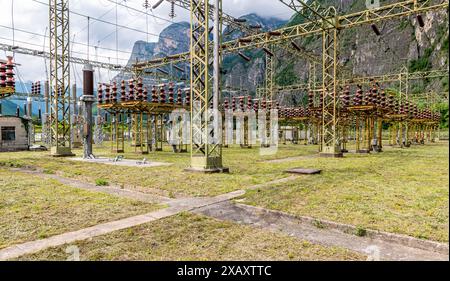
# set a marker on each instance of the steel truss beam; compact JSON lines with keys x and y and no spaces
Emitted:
{"x":46,"y":55}
{"x":259,"y":40}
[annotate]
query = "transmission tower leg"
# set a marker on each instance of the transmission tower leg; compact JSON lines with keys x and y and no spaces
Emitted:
{"x":206,"y":145}
{"x":330,"y":146}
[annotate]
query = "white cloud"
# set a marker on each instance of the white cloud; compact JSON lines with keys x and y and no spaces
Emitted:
{"x":32,"y":16}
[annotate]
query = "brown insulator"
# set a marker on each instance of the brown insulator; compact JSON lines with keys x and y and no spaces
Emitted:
{"x":264,"y":104}
{"x":367,"y":98}
{"x":255,"y":105}
{"x":123,"y":93}
{"x":2,"y":75}
{"x":140,"y":90}
{"x":311,"y":99}
{"x":114,"y":92}
{"x":302,"y":112}
{"x":10,"y":82}
{"x":383,"y":102}
{"x":131,"y":90}
{"x":241,"y":103}
{"x":162,"y":94}
{"x":107,"y":94}
{"x":187,"y":97}
{"x":226,"y":104}
{"x":357,"y":99}
{"x":406,"y":107}
{"x":154,"y":95}
{"x":180,"y":97}
{"x":233,"y":104}
{"x":346,"y":97}
{"x":171,"y":93}
{"x":391,"y":103}
{"x":100,"y":93}
{"x":145,"y":94}
{"x":374,"y":95}
{"x":249,"y":103}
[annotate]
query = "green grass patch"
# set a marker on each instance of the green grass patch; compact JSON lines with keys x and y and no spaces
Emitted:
{"x":404,"y":191}
{"x":188,"y":237}
{"x":34,"y":208}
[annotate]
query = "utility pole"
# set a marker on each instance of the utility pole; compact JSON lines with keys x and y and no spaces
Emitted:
{"x":88,"y":100}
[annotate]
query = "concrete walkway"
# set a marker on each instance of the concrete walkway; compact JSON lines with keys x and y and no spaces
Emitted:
{"x":377,"y":248}
{"x":176,"y":207}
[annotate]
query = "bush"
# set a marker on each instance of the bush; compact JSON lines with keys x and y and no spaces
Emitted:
{"x":101,"y":182}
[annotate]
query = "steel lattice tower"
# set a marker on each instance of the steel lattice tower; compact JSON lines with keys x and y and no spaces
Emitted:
{"x":59,"y":78}
{"x":206,"y":148}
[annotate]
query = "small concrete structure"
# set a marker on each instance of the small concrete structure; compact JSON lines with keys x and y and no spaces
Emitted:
{"x":302,"y":171}
{"x":13,"y":134}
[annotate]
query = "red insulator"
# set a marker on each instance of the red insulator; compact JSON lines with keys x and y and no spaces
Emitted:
{"x":187,"y":98}
{"x":374,"y":96}
{"x":171,"y":93}
{"x":180,"y":97}
{"x":2,"y":75}
{"x":154,"y":95}
{"x":140,"y":90}
{"x":145,"y":94}
{"x":241,"y":103}
{"x":114,"y":92}
{"x":226,"y":104}
{"x":249,"y":103}
{"x":10,"y":82}
{"x":162,"y":94}
{"x":264,"y":104}
{"x":367,"y":99}
{"x":131,"y":90}
{"x":123,"y":93}
{"x":256,"y":105}
{"x":100,"y":93}
{"x":346,"y":97}
{"x":357,"y":99}
{"x":311,"y":99}
{"x":107,"y":94}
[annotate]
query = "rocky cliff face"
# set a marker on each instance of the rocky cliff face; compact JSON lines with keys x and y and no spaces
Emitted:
{"x":402,"y":44}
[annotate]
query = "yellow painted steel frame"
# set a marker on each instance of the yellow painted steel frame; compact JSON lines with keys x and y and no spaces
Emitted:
{"x":330,"y":42}
{"x":117,"y":133}
{"x":269,"y":75}
{"x":6,"y":92}
{"x":59,"y":78}
{"x":204,"y":155}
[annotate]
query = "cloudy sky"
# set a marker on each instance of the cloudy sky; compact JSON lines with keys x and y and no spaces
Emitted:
{"x":30,"y":21}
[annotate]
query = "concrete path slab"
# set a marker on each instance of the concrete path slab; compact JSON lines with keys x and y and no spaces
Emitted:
{"x":176,"y":207}
{"x":276,"y":221}
{"x":124,"y":162}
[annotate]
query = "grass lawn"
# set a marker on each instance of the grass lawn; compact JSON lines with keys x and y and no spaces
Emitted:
{"x":404,"y":191}
{"x":194,"y":237}
{"x":32,"y":208}
{"x":247,"y":169}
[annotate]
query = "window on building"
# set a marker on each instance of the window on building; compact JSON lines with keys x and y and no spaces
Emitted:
{"x":8,"y":133}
